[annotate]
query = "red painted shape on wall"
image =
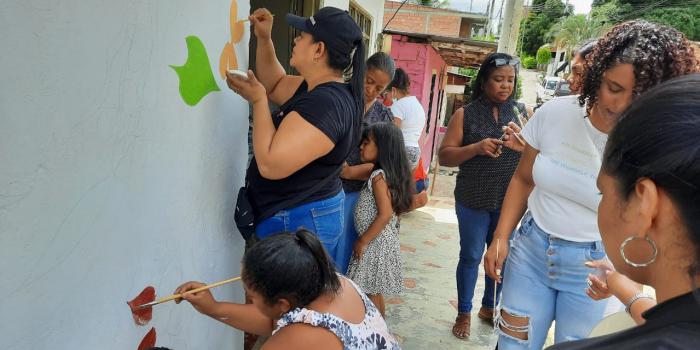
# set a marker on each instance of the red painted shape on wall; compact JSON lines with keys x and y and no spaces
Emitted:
{"x":142,"y":316}
{"x":149,"y":340}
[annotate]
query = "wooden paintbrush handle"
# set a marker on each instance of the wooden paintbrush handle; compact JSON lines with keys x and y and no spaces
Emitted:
{"x":196,"y":290}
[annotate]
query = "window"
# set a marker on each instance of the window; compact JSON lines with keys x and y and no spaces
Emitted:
{"x":365,"y":22}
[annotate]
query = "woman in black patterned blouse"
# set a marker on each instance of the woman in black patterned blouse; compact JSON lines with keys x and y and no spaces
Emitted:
{"x":482,"y":139}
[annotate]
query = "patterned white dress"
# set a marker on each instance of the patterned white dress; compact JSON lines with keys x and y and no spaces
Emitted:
{"x":379,"y":270}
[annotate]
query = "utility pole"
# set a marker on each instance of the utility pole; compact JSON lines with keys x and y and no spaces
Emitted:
{"x":510,"y":27}
{"x":489,"y":20}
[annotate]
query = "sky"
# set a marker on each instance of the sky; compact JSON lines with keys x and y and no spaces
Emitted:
{"x":580,"y":6}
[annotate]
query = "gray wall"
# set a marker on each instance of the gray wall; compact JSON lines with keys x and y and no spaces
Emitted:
{"x":109,"y":182}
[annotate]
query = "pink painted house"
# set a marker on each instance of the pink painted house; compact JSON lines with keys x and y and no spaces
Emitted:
{"x":427,"y":71}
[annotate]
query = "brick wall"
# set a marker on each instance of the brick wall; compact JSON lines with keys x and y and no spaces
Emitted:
{"x":444,"y":25}
{"x":406,"y":22}
{"x":424,"y":19}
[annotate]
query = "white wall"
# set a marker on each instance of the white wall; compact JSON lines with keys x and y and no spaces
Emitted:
{"x":109,"y":182}
{"x":341,"y":4}
{"x":375,"y":8}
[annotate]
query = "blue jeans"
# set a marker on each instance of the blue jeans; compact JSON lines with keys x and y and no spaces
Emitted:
{"x":475,"y":232}
{"x":347,"y":241}
{"x":544,"y":280}
{"x":323,"y":217}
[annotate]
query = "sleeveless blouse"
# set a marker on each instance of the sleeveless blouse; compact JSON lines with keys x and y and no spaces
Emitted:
{"x":371,"y":334}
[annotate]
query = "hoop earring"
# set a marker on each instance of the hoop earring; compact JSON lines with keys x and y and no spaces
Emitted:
{"x":315,"y":59}
{"x":632,"y":263}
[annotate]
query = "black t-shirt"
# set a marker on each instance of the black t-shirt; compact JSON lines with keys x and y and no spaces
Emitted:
{"x":671,"y":325}
{"x":331,"y":108}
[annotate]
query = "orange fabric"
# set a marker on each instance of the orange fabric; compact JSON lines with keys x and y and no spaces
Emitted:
{"x":419,"y":173}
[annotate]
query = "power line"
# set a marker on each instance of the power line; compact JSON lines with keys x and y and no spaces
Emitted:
{"x":392,"y":17}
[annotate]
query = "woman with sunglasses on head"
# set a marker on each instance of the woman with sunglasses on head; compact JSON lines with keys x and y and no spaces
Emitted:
{"x":545,"y":279}
{"x":649,"y":215}
{"x":475,"y":140}
{"x":292,"y":181}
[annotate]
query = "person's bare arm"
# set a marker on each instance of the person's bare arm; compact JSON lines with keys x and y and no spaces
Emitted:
{"x":452,"y":153}
{"x":513,"y":209}
{"x":280,"y":87}
{"x":357,"y":172}
{"x":618,"y":285}
{"x":397,"y":122}
{"x":384,"y":213}
{"x":281,"y":152}
{"x":245,"y":317}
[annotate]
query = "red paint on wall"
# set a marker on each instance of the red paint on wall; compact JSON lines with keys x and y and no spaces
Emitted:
{"x":149,"y":340}
{"x":143,"y":316}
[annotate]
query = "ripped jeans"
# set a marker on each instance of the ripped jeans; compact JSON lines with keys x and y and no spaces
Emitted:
{"x":544,"y":281}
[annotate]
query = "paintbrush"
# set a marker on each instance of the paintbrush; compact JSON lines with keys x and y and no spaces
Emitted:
{"x":178,"y":296}
{"x":495,"y":282}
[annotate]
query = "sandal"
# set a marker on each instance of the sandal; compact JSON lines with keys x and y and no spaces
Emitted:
{"x":461,"y":328}
{"x":486,"y":314}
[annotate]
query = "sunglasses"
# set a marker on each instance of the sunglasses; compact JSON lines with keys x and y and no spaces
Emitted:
{"x":511,"y":62}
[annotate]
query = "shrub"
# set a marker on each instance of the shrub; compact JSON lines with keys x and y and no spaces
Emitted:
{"x":544,"y":55}
{"x":529,"y":62}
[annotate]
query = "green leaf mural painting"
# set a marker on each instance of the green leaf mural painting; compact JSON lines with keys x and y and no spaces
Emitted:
{"x":196,"y":75}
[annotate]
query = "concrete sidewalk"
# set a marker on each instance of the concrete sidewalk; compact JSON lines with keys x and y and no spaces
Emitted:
{"x":422,"y":318}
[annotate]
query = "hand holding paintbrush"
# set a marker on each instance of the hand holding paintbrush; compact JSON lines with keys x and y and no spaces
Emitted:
{"x":261,"y":20}
{"x":191,"y":291}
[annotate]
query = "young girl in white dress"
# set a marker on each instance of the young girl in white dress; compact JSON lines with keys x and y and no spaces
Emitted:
{"x":376,"y":262}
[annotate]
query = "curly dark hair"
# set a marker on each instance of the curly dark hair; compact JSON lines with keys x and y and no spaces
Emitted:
{"x":657,"y":52}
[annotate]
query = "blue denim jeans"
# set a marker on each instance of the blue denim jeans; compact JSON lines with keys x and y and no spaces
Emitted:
{"x":347,"y":241}
{"x":544,"y":280}
{"x":475,"y":232}
{"x":323,"y":217}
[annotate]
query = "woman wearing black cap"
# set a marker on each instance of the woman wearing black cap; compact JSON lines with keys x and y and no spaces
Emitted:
{"x":292,"y":181}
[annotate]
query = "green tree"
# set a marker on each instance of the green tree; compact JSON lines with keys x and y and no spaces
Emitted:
{"x":679,"y":14}
{"x":606,"y":12}
{"x":544,"y":54}
{"x":534,"y":28}
{"x":685,"y":19}
{"x":571,"y":30}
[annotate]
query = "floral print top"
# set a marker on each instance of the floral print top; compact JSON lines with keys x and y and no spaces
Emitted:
{"x":371,"y":334}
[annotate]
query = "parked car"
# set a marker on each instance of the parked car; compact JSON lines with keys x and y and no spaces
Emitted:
{"x":552,"y":87}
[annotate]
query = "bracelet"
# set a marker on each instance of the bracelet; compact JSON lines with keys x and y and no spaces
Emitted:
{"x":636,"y":297}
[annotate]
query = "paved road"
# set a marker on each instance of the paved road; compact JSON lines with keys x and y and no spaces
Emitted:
{"x":529,"y":86}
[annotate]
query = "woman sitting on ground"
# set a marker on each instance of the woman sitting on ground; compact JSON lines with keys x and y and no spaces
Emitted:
{"x":298,"y":298}
{"x":649,"y":214}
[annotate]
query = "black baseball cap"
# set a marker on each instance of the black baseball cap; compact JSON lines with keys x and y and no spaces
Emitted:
{"x":331,"y":25}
